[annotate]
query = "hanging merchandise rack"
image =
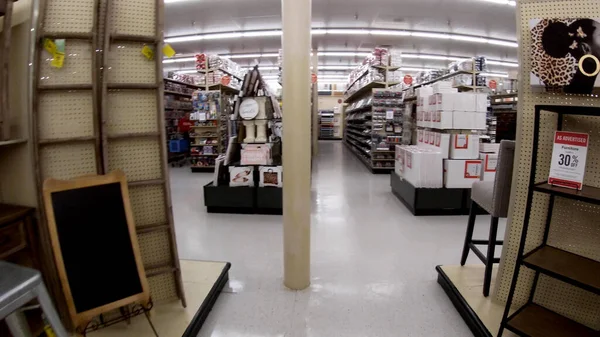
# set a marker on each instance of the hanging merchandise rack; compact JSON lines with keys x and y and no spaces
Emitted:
{"x":178,"y":102}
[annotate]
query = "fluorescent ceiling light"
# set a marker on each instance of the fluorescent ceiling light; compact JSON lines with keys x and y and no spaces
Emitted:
{"x":431,"y":35}
{"x":500,"y":2}
{"x":389,"y":32}
{"x":263,"y":33}
{"x":468,"y":38}
{"x":182,"y":59}
{"x":501,"y":75}
{"x":346,"y":31}
{"x":328,"y":67}
{"x":343,"y":53}
{"x":501,"y":63}
{"x":243,"y":56}
{"x":503,"y":43}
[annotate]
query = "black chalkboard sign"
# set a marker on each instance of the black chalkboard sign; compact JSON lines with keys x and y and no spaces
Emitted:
{"x":95,"y":245}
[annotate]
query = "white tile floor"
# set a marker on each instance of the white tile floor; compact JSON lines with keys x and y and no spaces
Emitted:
{"x":373,"y":263}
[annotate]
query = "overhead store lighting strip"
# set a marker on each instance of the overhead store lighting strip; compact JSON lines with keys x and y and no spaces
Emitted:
{"x":353,"y":54}
{"x":346,"y":31}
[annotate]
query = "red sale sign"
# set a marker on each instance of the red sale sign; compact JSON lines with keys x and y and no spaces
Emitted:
{"x":568,"y":159}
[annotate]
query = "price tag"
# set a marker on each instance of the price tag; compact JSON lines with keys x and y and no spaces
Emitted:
{"x":568,"y":159}
{"x":58,"y":60}
{"x":168,"y":51}
{"x":389,"y":115}
{"x":50,"y":46}
{"x":148,"y":52}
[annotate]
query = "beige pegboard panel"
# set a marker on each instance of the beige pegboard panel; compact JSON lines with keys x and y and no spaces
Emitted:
{"x":67,"y":161}
{"x":148,"y":204}
{"x":127,"y":64}
{"x":65,"y":115}
{"x":155,"y":248}
{"x":131,"y":111}
{"x":69,"y":16}
{"x":138,"y":157}
{"x":581,"y":306}
{"x":162,"y":287}
{"x":569,"y":301}
{"x":134,"y":17}
{"x":77,"y":67}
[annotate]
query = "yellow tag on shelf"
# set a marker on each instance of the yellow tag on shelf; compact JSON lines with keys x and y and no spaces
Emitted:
{"x":50,"y":46}
{"x":58,"y":60}
{"x":148,"y":52}
{"x":168,"y":51}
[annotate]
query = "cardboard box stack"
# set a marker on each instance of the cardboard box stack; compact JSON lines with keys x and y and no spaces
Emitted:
{"x":442,"y":107}
{"x":421,"y":167}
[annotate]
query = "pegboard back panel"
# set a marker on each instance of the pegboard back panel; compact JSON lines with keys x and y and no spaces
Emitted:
{"x":127,"y":64}
{"x":148,"y":205}
{"x":68,"y":161}
{"x":583,"y":235}
{"x":155,"y":249}
{"x":162,"y":287}
{"x":63,"y":115}
{"x":69,"y":16}
{"x":135,"y":17}
{"x":131,"y":111}
{"x":139,"y":158}
{"x":76,"y":68}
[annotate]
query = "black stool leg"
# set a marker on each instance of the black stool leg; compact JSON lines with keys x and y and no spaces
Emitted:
{"x":469,"y":236}
{"x":490,"y":256}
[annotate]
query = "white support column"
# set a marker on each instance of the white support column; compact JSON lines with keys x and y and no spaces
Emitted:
{"x":296,"y":41}
{"x":315,"y":104}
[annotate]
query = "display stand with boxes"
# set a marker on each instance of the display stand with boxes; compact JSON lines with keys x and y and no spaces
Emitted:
{"x":248,"y":179}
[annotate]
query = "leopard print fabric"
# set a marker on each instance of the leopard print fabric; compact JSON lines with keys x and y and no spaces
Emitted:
{"x":555,"y":73}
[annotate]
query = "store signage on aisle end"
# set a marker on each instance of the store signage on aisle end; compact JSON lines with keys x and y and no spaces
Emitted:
{"x":493,"y":84}
{"x":568,"y":159}
{"x":408,"y":80}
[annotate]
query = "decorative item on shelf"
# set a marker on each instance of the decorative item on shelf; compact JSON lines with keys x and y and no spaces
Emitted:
{"x":255,"y":154}
{"x":564,"y":55}
{"x":270,"y":176}
{"x":241,"y":176}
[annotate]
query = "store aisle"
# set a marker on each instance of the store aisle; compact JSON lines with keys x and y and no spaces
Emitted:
{"x":372,"y":261}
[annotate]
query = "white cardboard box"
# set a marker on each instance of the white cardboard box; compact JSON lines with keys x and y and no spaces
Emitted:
{"x":464,"y":146}
{"x":461,"y":173}
{"x":481,"y":102}
{"x":468,"y":120}
{"x":488,"y":166}
{"x":442,"y":120}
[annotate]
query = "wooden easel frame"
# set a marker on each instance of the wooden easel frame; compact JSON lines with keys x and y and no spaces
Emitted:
{"x":52,"y":185}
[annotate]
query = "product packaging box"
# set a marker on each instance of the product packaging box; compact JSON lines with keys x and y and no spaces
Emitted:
{"x":443,"y":87}
{"x":461,"y":173}
{"x":468,"y":120}
{"x":270,"y":176}
{"x":481,"y":102}
{"x":489,"y":147}
{"x":255,"y":154}
{"x":466,"y":101}
{"x":463,"y":146}
{"x":421,"y":167}
{"x":442,"y":120}
{"x":442,"y":143}
{"x":446,"y":101}
{"x":488,"y":166}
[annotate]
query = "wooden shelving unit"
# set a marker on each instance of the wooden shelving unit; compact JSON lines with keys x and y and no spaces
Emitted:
{"x":533,"y":320}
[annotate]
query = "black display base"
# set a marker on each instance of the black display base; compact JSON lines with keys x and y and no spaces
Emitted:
{"x":202,"y":169}
{"x":209,"y":301}
{"x":430,"y":201}
{"x":330,"y":138}
{"x":461,"y":305}
{"x":243,"y":200}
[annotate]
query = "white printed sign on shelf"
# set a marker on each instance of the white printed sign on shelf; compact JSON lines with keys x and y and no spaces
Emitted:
{"x":568,"y":159}
{"x":389,"y":115}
